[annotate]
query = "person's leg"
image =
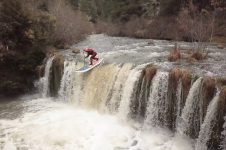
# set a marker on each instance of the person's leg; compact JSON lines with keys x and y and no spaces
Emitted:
{"x":91,"y":61}
{"x":94,"y":57}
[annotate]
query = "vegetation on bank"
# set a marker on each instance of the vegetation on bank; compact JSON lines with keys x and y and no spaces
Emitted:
{"x":194,"y":21}
{"x":29,"y":29}
{"x":160,"y":19}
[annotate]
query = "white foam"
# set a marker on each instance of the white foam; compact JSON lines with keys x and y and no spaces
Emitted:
{"x":58,"y":126}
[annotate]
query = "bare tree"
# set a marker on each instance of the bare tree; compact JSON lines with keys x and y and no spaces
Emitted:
{"x":71,"y":25}
{"x":198,"y":25}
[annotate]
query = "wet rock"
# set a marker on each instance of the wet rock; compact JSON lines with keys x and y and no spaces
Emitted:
{"x":216,"y":137}
{"x":221,"y":82}
{"x":56,"y":74}
{"x":75,"y":50}
{"x":151,"y":42}
{"x":174,"y":77}
{"x":186,"y":79}
{"x":134,"y":143}
{"x":141,"y":93}
{"x":40,"y":70}
{"x":208,"y":92}
{"x":220,"y":46}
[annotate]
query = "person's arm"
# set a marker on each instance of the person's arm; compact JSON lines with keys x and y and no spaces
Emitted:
{"x":87,"y":55}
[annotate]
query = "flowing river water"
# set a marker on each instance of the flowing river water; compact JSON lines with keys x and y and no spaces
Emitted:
{"x":111,"y":108}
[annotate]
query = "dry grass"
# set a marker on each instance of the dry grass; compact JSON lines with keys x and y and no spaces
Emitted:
{"x":149,"y":72}
{"x":221,"y":82}
{"x":209,"y":83}
{"x":199,"y":55}
{"x":175,"y":74}
{"x":174,"y":54}
{"x":186,"y":82}
{"x":208,"y":91}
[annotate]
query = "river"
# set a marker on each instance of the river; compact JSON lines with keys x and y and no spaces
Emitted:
{"x":94,"y":111}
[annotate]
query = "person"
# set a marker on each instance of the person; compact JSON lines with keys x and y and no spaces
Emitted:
{"x":93,"y":54}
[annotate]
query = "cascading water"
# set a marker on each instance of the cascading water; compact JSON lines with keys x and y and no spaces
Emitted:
{"x":100,"y":88}
{"x":117,"y":91}
{"x":98,"y":85}
{"x":188,"y":118}
{"x":44,"y":81}
{"x":179,"y":101}
{"x":124,"y":107}
{"x":106,"y":100}
{"x":207,"y":126}
{"x":156,"y":109}
{"x":66,"y":81}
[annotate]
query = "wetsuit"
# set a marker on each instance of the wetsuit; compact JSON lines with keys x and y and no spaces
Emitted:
{"x":92,"y":53}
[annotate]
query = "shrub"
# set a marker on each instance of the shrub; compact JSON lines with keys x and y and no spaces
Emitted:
{"x":174,"y":54}
{"x":71,"y":25}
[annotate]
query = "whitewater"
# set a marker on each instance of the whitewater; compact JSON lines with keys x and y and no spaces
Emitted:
{"x":93,"y":111}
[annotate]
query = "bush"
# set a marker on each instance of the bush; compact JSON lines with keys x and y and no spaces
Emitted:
{"x":28,"y":28}
{"x":71,"y":25}
{"x":174,"y":54}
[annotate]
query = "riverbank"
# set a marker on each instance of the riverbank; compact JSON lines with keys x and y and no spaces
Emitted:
{"x":29,"y":30}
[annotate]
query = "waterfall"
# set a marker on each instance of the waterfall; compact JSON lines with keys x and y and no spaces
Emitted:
{"x":156,"y":109}
{"x":98,"y":85}
{"x":66,"y":81}
{"x":102,"y":88}
{"x":207,"y":126}
{"x":43,"y":84}
{"x":188,"y":117}
{"x":117,"y":90}
{"x":179,"y":101}
{"x":124,"y":108}
{"x":140,"y":94}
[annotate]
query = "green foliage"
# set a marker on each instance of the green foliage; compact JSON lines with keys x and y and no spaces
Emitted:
{"x":24,"y":28}
{"x":25,"y":32}
{"x":13,"y":22}
{"x":42,"y":28}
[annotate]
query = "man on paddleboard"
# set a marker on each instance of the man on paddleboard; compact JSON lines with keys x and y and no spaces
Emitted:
{"x":92,"y":53}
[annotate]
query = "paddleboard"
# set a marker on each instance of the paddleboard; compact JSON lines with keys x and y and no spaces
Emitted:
{"x":89,"y":67}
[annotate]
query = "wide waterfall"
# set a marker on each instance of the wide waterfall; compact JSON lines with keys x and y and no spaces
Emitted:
{"x":131,"y":103}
